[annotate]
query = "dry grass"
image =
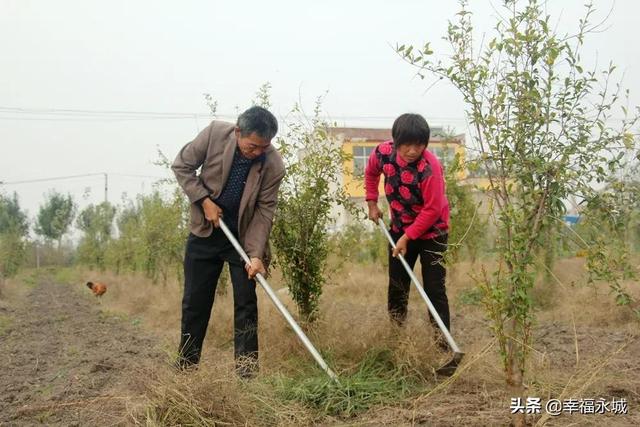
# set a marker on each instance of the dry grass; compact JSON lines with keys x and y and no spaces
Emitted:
{"x":583,"y":346}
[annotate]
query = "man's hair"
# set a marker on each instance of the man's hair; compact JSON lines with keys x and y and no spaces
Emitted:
{"x":410,"y":128}
{"x":259,"y":120}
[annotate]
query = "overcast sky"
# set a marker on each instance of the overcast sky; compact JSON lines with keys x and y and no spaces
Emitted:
{"x":161,"y":56}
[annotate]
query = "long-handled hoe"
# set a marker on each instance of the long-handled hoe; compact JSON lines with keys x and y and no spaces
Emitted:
{"x":307,"y":343}
{"x":450,"y":367}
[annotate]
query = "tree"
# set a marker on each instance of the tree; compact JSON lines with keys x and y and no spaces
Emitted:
{"x":540,"y":121}
{"x":610,"y":222}
{"x":12,"y":218}
{"x":125,"y":251}
{"x":13,"y":232}
{"x":163,"y":227}
{"x":151,"y":235}
{"x":55,"y":216}
{"x":96,"y":222}
{"x":308,"y":192}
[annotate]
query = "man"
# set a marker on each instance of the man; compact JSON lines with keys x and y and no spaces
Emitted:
{"x":414,"y":187}
{"x":239,"y":181}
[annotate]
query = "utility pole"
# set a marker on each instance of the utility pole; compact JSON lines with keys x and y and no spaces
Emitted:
{"x":106,"y":187}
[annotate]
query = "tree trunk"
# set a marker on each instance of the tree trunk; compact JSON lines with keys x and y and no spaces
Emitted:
{"x":514,"y":373}
{"x":518,"y":419}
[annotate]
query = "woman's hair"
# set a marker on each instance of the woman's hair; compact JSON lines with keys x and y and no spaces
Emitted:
{"x":410,"y":128}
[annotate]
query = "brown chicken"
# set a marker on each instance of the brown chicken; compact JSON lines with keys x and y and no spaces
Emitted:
{"x":97,"y":288}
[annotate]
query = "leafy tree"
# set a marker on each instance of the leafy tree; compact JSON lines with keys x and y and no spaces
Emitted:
{"x":540,"y":120}
{"x":609,"y":227}
{"x":124,"y":252}
{"x":151,"y":236}
{"x":96,"y":222}
{"x":12,"y":218}
{"x":262,"y":97}
{"x":13,"y":232}
{"x":162,"y":233}
{"x":308,"y":193}
{"x":55,"y":216}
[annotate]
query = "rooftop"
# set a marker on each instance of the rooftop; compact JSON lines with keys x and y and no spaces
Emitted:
{"x":377,"y":134}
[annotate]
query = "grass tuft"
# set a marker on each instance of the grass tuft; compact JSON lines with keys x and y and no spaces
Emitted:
{"x":374,"y":381}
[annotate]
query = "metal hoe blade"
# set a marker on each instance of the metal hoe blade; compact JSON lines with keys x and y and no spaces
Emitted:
{"x":283,"y":310}
{"x":450,"y":367}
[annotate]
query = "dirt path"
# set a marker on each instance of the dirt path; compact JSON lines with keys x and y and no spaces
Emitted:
{"x":64,"y":362}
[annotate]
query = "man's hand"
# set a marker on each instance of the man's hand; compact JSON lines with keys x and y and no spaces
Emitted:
{"x":212,"y":212}
{"x":401,"y":246}
{"x":374,"y":211}
{"x":255,"y":267}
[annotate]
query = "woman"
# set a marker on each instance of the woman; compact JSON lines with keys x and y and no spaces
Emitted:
{"x":414,"y":187}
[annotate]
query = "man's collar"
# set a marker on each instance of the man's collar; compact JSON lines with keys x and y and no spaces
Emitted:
{"x":261,"y":158}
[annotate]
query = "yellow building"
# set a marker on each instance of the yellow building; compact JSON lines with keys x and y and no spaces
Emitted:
{"x":359,"y":143}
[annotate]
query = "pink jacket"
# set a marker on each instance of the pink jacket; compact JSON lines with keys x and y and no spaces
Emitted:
{"x":416,"y":192}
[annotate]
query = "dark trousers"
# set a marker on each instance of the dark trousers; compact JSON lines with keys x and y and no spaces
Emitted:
{"x":433,"y":277}
{"x":203,"y":262}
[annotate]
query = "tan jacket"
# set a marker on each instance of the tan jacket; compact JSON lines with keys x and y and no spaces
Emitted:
{"x":213,"y":149}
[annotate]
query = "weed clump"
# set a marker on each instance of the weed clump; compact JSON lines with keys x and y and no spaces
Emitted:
{"x":378,"y":379}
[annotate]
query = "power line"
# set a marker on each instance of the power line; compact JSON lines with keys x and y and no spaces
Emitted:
{"x":67,"y":111}
{"x":91,"y":119}
{"x":84,"y":115}
{"x":105,"y":175}
{"x":133,"y":175}
{"x":147,"y":115}
{"x":58,"y":178}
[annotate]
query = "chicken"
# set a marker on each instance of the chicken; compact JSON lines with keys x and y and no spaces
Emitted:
{"x":97,"y":288}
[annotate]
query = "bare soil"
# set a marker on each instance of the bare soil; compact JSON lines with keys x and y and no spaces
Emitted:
{"x":64,"y":362}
